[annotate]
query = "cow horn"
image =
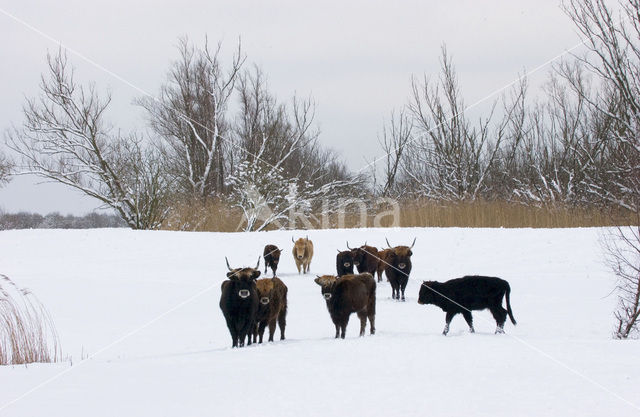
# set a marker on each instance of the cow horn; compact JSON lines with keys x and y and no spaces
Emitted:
{"x":225,"y":258}
{"x":293,"y":240}
{"x":258,"y":264}
{"x":338,"y":250}
{"x":388,"y":244}
{"x":365,"y":243}
{"x":414,"y":242}
{"x":307,"y":237}
{"x":348,"y":245}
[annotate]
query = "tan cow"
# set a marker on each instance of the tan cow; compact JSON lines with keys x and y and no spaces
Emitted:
{"x":302,"y":253}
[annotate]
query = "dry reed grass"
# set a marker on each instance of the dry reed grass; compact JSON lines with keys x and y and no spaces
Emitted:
{"x":508,"y":215}
{"x":216,"y":216}
{"x":27,"y":332}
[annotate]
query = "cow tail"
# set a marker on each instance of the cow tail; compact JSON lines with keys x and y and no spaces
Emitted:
{"x":508,"y":292}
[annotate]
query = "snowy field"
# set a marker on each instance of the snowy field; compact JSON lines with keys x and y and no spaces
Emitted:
{"x":146,"y":304}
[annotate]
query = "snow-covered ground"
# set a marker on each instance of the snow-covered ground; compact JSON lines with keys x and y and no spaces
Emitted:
{"x":147,"y":302}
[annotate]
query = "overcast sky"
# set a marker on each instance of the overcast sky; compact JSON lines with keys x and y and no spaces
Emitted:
{"x":354,"y":57}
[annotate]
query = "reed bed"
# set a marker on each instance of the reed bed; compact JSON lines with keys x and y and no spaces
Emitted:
{"x":217,"y":216}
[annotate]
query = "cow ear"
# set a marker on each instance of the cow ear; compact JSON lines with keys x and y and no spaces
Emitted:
{"x":317,"y":281}
{"x":255,"y":274}
{"x":410,"y":252}
{"x":232,"y":275}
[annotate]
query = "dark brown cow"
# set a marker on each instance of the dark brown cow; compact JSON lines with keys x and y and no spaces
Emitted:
{"x":239,"y":302}
{"x":398,"y":268}
{"x":365,"y":258}
{"x":272,"y":294}
{"x":350,"y":294}
{"x":344,"y":263}
{"x":271,"y":256}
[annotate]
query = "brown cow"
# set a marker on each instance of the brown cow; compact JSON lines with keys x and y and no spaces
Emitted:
{"x":271,"y":256}
{"x":302,"y":253}
{"x":383,"y":261}
{"x":272,"y":293}
{"x":365,"y":259}
{"x":350,"y":294}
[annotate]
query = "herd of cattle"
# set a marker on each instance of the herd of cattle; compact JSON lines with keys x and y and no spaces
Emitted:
{"x":250,"y":305}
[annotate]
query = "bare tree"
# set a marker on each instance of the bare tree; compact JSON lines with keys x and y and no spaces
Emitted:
{"x":555,"y":144}
{"x":613,"y":41}
{"x":278,"y":166}
{"x":394,"y":141}
{"x":6,"y":166}
{"x":622,"y":249}
{"x":614,"y":61}
{"x":191,"y":117}
{"x":448,"y":157}
{"x":65,"y":139}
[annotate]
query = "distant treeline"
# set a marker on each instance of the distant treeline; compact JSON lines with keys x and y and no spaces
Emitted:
{"x":24,"y":220}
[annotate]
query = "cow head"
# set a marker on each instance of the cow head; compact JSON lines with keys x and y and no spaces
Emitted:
{"x":400,"y":257}
{"x":426,"y":295}
{"x":345,"y":259}
{"x":358,"y":254}
{"x":300,"y":247}
{"x":327,"y":284}
{"x":243,"y":278}
{"x":265,"y":291}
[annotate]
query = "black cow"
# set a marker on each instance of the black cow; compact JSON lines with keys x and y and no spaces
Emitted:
{"x":344,"y":263}
{"x":398,"y":268}
{"x":239,"y":302}
{"x":461,"y":295}
{"x":271,"y":256}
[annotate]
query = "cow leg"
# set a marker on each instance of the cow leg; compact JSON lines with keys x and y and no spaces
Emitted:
{"x":469,"y":319}
{"x":343,"y":327}
{"x":261,"y":328}
{"x":282,"y":322}
{"x":447,"y":320}
{"x":337,"y":330}
{"x":372,"y":323}
{"x":362,"y":315}
{"x":244,"y":332}
{"x":272,"y":329}
{"x":403,"y":286}
{"x":265,"y":266}
{"x":500,"y":314}
{"x":233,"y":332}
{"x":250,"y":329}
{"x":273,"y":269}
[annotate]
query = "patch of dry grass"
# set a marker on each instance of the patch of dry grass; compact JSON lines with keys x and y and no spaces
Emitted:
{"x":504,"y":214}
{"x":27,"y":332}
{"x":210,"y":216}
{"x":215,"y":216}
